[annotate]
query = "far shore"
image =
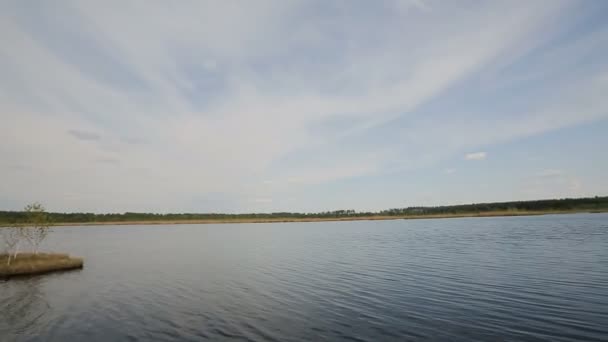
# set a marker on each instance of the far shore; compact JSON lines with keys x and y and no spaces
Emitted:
{"x":327,"y":219}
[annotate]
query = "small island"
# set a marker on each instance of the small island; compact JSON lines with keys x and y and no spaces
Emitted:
{"x":30,"y":264}
{"x":31,"y":232}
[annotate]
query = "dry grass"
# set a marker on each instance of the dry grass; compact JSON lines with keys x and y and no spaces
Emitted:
{"x":28,"y":263}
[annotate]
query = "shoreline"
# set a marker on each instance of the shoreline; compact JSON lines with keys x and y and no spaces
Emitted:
{"x":326,"y":219}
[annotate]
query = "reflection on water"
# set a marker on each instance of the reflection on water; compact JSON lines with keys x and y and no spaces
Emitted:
{"x":485,"y":279}
{"x":23,"y":305}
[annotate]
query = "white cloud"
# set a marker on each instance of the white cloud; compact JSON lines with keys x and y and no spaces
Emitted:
{"x":225,"y":106}
{"x":475,"y":156}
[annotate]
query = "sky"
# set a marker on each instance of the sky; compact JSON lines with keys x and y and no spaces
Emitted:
{"x":288,"y":105}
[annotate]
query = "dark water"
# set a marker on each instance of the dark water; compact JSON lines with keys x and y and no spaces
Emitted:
{"x":487,"y":279}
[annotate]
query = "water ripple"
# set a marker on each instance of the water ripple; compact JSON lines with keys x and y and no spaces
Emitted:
{"x":519,"y":279}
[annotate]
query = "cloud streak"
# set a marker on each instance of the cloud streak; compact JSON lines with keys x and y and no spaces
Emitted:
{"x":475,"y":156}
{"x":242,"y":99}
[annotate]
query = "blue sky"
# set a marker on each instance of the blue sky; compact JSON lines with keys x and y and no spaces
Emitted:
{"x":241,"y":106}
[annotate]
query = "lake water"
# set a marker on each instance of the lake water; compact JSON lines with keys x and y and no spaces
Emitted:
{"x":511,"y":279}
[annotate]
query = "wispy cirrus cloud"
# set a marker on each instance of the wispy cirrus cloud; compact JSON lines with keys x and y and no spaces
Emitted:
{"x":314,"y":91}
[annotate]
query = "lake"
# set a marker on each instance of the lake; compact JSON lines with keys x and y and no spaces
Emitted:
{"x":533,"y":278}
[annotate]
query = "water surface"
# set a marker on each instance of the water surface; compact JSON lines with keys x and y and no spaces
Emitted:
{"x":519,"y":278}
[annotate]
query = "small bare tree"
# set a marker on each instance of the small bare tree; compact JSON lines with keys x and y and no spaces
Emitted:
{"x":11,"y":236}
{"x":37,"y":225}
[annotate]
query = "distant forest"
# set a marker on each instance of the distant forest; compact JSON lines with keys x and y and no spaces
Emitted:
{"x":555,"y":205}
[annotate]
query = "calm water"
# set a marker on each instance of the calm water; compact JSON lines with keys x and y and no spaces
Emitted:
{"x":488,"y":279}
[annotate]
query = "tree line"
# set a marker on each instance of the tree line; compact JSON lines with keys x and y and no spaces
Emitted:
{"x":567,"y":204}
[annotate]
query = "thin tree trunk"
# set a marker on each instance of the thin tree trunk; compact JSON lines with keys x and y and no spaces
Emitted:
{"x":16,"y":251}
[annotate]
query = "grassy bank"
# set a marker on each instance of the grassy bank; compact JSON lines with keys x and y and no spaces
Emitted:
{"x":28,"y":264}
{"x":325,"y":219}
